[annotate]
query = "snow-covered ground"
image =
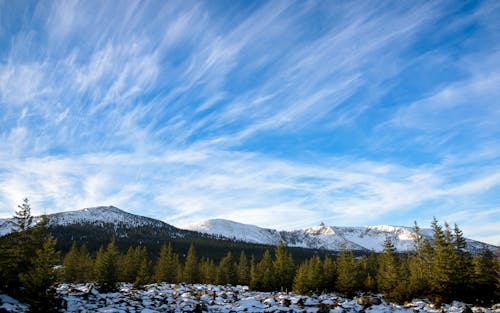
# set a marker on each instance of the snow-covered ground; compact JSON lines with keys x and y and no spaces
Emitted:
{"x":210,"y":298}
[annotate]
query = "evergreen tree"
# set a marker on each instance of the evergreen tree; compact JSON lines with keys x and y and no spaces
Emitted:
{"x":226,"y":272}
{"x":485,"y":277}
{"x":329,"y":274}
{"x":370,"y":283}
{"x":167,"y":265}
{"x":301,"y":282}
{"x":39,"y":278}
{"x":106,"y":269}
{"x":143,"y":276}
{"x":346,"y":267}
{"x":420,"y":266}
{"x":387,"y":275}
{"x":284,"y":268}
{"x":71,"y":264}
{"x":208,"y":271}
{"x":262,"y":275}
{"x":243,"y":270}
{"x":190,"y":273}
{"x":23,"y":218}
{"x":86,"y":264}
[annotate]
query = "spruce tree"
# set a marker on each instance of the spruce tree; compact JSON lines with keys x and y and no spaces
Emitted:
{"x":71,"y":264}
{"x":284,"y":268}
{"x":143,"y":276}
{"x":388,"y":265}
{"x":167,"y":265}
{"x":106,"y":267}
{"x":346,"y":267}
{"x":329,"y":274}
{"x":23,"y":218}
{"x":262,"y":274}
{"x":243,"y":270}
{"x":208,"y":271}
{"x":485,"y":277}
{"x":300,"y":282}
{"x":226,"y":272}
{"x":190,"y":272}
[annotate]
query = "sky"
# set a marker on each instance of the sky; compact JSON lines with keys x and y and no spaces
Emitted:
{"x":282,"y":114}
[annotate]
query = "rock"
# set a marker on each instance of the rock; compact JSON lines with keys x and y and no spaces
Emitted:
{"x":368,"y":301}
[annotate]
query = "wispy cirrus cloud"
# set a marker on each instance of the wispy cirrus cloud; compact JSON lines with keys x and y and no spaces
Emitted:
{"x":281,"y":114}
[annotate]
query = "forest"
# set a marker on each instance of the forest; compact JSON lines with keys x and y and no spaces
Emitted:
{"x":441,"y":270}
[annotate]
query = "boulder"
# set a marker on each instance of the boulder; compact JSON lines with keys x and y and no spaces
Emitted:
{"x":368,"y":301}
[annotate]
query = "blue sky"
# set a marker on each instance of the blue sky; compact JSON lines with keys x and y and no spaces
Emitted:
{"x":282,"y":114}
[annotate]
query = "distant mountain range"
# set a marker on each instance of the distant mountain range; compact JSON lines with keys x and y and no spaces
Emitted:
{"x":319,"y":237}
{"x":324,"y":237}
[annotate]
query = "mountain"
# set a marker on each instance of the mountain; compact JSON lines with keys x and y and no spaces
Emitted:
{"x":95,"y":226}
{"x":95,"y":215}
{"x":323,"y":237}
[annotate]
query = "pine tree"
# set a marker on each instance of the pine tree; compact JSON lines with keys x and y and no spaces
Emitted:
{"x":300,"y":282}
{"x":208,"y":271}
{"x":143,"y":276}
{"x":106,"y":267}
{"x":370,"y":283}
{"x":190,"y":273}
{"x":387,"y":275}
{"x":167,"y":265}
{"x":243,"y":270}
{"x":262,"y":275}
{"x":40,"y":275}
{"x":226,"y":272}
{"x":71,"y":264}
{"x":284,"y":268}
{"x":346,"y":267}
{"x":23,"y":218}
{"x":86,"y":264}
{"x":329,"y":274}
{"x":485,"y":277}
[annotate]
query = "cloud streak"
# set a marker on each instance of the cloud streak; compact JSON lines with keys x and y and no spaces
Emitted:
{"x":282,"y":114}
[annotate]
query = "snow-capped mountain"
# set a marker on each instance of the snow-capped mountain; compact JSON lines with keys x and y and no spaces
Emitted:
{"x":318,"y":237}
{"x":96,"y":216}
{"x":322,"y":237}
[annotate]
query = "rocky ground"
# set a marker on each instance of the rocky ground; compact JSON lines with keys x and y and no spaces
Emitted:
{"x":211,"y":298}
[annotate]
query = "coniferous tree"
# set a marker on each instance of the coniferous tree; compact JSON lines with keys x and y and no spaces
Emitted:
{"x":370,"y":283}
{"x":485,"y":276}
{"x":301,"y":282}
{"x":329,"y":274}
{"x":226,"y":272}
{"x":23,"y":218}
{"x":71,"y":264}
{"x":143,"y":276}
{"x":346,"y":266}
{"x":167,"y":265}
{"x":262,"y":275}
{"x":243,"y":270}
{"x":190,"y":272}
{"x":461,"y":279}
{"x":106,"y":267}
{"x":284,"y":268}
{"x":387,"y":275}
{"x":208,"y":271}
{"x":86,"y":264}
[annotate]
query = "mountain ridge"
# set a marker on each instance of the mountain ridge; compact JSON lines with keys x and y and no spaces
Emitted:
{"x":322,"y":237}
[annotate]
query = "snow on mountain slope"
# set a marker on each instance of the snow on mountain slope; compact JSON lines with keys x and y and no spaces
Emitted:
{"x":237,"y":231}
{"x":96,"y":215}
{"x":322,"y":237}
{"x":102,"y":214}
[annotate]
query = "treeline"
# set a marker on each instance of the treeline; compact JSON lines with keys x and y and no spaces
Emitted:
{"x":28,"y":263}
{"x":440,"y":269}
